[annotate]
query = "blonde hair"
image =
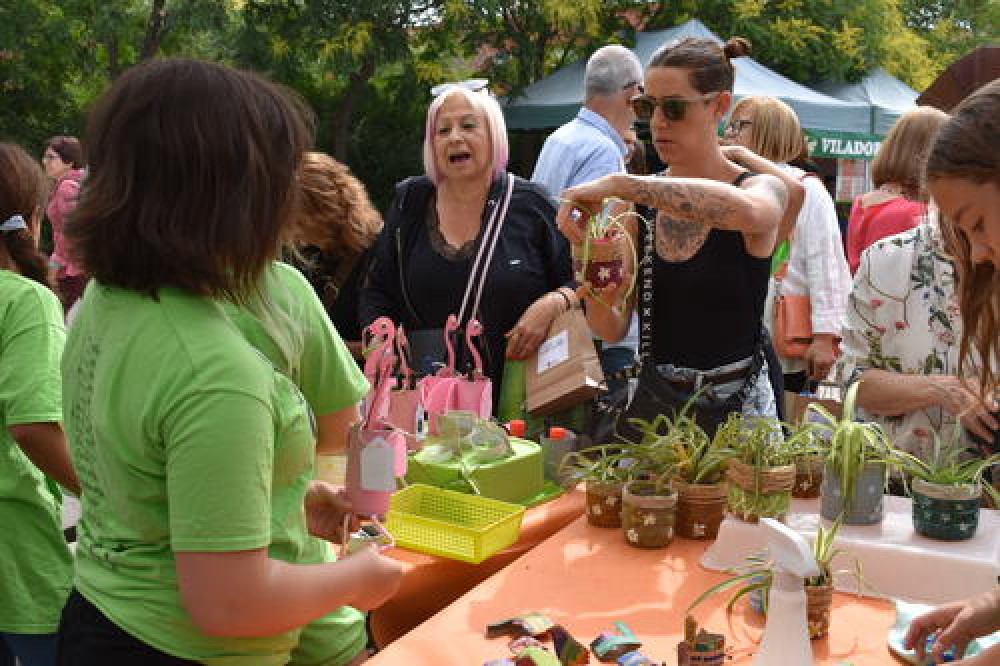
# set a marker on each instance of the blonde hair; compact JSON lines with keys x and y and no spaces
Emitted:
{"x":775,"y":133}
{"x":480,"y":101}
{"x":901,"y":157}
{"x":336,"y":214}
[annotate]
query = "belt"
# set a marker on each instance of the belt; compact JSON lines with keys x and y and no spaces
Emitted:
{"x":720,"y":378}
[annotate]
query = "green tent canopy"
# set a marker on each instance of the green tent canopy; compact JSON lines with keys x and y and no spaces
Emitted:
{"x":554,"y":100}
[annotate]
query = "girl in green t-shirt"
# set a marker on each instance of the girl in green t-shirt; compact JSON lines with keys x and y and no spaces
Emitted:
{"x":194,"y":374}
{"x":35,"y":562}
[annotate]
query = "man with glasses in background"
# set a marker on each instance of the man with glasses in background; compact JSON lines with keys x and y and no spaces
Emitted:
{"x":591,"y":146}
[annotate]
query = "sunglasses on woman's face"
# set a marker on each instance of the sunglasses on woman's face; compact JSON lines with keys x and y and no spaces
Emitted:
{"x":673,"y":108}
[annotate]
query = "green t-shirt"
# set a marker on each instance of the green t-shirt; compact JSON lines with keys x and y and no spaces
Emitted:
{"x":36,"y":568}
{"x":186,"y":438}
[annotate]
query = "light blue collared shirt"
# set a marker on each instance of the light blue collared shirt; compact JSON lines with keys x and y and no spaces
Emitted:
{"x":582,"y":150}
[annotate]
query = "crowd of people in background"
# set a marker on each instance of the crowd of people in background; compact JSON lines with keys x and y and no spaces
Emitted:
{"x":218,"y":275}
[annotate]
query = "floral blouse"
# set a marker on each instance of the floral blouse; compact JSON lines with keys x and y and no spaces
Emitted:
{"x":903,"y":316}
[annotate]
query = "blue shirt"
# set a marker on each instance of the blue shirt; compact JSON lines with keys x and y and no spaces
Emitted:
{"x":582,"y":150}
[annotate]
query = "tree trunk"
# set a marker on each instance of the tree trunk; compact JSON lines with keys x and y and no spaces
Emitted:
{"x":344,"y":114}
{"x":156,"y":30}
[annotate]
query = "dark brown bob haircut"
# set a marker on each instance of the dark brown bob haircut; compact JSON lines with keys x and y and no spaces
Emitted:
{"x":68,"y":149}
{"x":191,"y":179}
{"x":709,"y":62}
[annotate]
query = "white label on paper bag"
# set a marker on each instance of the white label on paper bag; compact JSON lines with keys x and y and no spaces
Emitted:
{"x":553,"y":351}
{"x":377,"y":466}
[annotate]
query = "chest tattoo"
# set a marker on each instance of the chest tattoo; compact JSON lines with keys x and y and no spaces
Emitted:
{"x":677,"y":239}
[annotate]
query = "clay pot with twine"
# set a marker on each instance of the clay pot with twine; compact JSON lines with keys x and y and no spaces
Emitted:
{"x":759,"y":493}
{"x":701,"y":508}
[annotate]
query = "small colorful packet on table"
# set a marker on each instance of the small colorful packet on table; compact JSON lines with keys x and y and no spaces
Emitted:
{"x":700,"y":648}
{"x":608,"y":646}
{"x":635,"y":659}
{"x":571,"y":651}
{"x":528,"y":624}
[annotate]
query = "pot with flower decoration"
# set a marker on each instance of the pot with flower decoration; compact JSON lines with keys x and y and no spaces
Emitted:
{"x":648,"y":513}
{"x":603,"y":470}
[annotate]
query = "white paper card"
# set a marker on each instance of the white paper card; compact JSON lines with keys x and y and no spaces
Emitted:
{"x":377,"y":466}
{"x":553,"y":351}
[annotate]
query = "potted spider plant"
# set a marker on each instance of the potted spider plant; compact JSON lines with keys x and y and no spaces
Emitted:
{"x":809,"y":462}
{"x":600,"y":259}
{"x":753,"y":580}
{"x":856,"y":464}
{"x":649,"y":500}
{"x":604,"y":470}
{"x":761,"y":472}
{"x":699,"y":467}
{"x":947,"y":488}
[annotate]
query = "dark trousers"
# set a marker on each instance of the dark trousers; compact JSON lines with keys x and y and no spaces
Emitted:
{"x":775,"y":376}
{"x":88,"y":638}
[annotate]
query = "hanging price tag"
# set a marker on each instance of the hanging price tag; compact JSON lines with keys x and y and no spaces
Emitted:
{"x":378,"y":466}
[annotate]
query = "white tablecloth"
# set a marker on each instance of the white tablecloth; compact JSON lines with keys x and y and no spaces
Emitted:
{"x":896,"y":562}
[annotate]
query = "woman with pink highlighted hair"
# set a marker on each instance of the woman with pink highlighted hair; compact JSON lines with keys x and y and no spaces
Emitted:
{"x":438,"y":240}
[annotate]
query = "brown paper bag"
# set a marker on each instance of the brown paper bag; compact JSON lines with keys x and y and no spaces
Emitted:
{"x":565,"y":370}
{"x":828,"y":395}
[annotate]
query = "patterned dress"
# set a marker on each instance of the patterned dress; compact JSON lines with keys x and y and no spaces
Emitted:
{"x":903,"y":316}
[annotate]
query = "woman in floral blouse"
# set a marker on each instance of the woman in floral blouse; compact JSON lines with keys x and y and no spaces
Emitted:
{"x":902,"y":341}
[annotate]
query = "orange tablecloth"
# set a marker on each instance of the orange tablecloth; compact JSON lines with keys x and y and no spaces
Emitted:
{"x":430,"y":583}
{"x":587,"y":578}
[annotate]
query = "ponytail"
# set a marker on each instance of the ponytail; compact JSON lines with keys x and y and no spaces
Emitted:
{"x":30,"y":263}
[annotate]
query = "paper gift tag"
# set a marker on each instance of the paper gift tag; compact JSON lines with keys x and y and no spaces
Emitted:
{"x":378,"y":466}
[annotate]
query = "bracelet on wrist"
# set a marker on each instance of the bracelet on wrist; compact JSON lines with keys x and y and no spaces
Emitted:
{"x":569,"y":303}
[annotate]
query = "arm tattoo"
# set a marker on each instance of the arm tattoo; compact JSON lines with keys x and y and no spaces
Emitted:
{"x":687,"y":202}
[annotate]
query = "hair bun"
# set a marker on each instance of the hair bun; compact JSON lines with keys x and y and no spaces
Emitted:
{"x":737,"y":47}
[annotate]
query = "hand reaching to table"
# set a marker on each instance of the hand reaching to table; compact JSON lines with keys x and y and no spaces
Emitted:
{"x":959,"y":622}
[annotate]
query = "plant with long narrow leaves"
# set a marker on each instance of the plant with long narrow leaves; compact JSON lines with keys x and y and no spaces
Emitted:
{"x":850,"y":445}
{"x":949,"y":464}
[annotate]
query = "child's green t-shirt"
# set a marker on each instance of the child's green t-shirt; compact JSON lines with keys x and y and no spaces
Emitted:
{"x":187,"y":438}
{"x":36,"y":568}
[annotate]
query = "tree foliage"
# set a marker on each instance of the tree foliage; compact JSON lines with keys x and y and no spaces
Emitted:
{"x":367,"y":66}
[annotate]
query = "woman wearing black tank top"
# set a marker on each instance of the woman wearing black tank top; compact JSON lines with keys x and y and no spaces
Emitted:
{"x":716,"y":224}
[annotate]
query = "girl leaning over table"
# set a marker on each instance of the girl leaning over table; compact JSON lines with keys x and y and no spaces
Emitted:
{"x":194,"y":445}
{"x":715,"y":223}
{"x":36,"y":568}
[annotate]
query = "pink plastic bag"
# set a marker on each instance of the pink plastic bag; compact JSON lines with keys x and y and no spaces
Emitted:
{"x":448,"y":391}
{"x":376,"y":451}
{"x":405,"y":405}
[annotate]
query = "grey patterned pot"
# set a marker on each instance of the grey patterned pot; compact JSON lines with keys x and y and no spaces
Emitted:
{"x":948,"y":513}
{"x":865,"y":506}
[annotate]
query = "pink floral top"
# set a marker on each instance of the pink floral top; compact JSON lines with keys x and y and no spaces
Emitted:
{"x":903,"y":316}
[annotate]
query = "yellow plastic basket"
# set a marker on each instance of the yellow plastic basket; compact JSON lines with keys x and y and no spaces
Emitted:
{"x":453,"y":525}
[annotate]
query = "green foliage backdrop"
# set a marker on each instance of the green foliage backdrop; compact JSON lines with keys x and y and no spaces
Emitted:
{"x":366,"y":67}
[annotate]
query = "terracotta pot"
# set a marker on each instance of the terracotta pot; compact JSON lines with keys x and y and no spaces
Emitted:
{"x":867,"y":504}
{"x":819,"y":599}
{"x":605,"y":261}
{"x":604,"y":504}
{"x":948,"y":513}
{"x":808,"y":477}
{"x":648,"y":514}
{"x":763,"y":493}
{"x":700,"y":509}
